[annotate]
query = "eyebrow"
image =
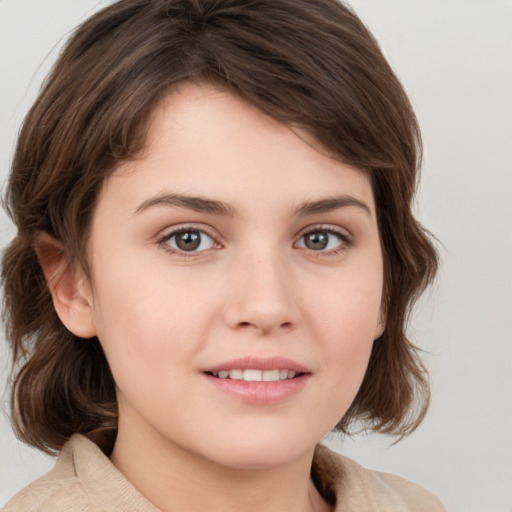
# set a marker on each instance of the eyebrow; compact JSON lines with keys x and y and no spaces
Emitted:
{"x":196,"y":203}
{"x":330,"y":204}
{"x":203,"y":205}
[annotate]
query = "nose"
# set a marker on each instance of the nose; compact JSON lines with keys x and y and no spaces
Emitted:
{"x":261,"y":295}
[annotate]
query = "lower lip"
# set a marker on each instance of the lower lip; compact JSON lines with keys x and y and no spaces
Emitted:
{"x":262,"y":393}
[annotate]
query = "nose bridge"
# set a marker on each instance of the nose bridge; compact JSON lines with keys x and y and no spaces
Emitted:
{"x":261,"y":290}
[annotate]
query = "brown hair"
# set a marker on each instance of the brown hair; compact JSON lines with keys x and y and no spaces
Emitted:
{"x":309,"y":63}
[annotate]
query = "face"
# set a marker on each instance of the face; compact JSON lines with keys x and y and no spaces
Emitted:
{"x":236,"y":283}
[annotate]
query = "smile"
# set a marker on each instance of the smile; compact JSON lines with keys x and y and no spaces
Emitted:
{"x":259,"y":386}
{"x":254,"y":375}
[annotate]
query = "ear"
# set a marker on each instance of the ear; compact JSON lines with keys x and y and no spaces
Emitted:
{"x":71,"y":291}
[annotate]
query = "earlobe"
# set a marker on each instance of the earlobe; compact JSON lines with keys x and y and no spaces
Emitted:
{"x":70,"y":289}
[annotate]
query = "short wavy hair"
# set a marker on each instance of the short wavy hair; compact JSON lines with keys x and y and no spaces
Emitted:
{"x":308,"y":63}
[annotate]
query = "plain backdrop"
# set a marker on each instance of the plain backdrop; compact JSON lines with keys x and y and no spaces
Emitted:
{"x":455,"y":60}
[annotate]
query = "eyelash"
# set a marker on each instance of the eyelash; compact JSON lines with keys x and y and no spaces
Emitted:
{"x":163,"y":241}
{"x":345,"y":240}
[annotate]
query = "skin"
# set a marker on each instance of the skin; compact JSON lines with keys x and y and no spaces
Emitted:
{"x":252,"y":288}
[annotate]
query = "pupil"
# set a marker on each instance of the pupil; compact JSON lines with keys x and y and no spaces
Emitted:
{"x":188,"y":240}
{"x":317,"y":240}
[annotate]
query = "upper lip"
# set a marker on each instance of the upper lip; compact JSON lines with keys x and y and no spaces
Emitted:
{"x":259,"y":363}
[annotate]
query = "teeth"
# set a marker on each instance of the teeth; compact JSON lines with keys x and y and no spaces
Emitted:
{"x":252,"y":375}
{"x":270,"y":376}
{"x":236,"y":374}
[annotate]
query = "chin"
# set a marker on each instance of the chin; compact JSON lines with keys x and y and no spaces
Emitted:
{"x":257,"y":451}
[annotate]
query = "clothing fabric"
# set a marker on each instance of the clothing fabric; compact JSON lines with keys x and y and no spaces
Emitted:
{"x":84,"y":480}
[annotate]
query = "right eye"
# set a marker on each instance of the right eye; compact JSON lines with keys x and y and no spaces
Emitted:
{"x":187,"y":240}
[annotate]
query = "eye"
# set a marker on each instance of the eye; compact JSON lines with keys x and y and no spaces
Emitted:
{"x":188,"y":240}
{"x":323,"y":240}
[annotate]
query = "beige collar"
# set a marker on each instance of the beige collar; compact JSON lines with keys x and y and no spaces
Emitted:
{"x":342,"y":482}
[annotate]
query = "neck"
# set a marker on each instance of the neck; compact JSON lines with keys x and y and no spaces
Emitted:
{"x":175,"y":479}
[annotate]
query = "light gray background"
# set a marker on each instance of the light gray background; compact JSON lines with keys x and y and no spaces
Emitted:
{"x":455,"y":59}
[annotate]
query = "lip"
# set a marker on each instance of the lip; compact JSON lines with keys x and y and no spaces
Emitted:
{"x":259,"y":363}
{"x":259,"y":393}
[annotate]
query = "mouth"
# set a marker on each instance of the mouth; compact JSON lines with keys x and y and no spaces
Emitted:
{"x":256,"y":386}
{"x":255,"y":375}
{"x":259,"y":380}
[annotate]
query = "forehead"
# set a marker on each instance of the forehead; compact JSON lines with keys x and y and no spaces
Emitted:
{"x":202,"y":140}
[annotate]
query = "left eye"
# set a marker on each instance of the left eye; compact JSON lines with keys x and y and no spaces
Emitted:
{"x":321,"y":240}
{"x":189,"y":240}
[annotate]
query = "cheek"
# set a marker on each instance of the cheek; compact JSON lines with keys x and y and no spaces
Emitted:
{"x":345,"y":314}
{"x":143,"y":342}
{"x":143,"y":316}
{"x":348,"y":306}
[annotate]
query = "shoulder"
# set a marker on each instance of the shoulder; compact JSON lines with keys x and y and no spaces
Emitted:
{"x":356,"y":489}
{"x":82,"y":480}
{"x":417,"y":498}
{"x":57,"y":490}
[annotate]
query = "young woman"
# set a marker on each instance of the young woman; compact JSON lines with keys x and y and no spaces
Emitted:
{"x":214,"y":262}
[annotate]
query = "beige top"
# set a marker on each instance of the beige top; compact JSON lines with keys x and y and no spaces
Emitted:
{"x":84,"y":480}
